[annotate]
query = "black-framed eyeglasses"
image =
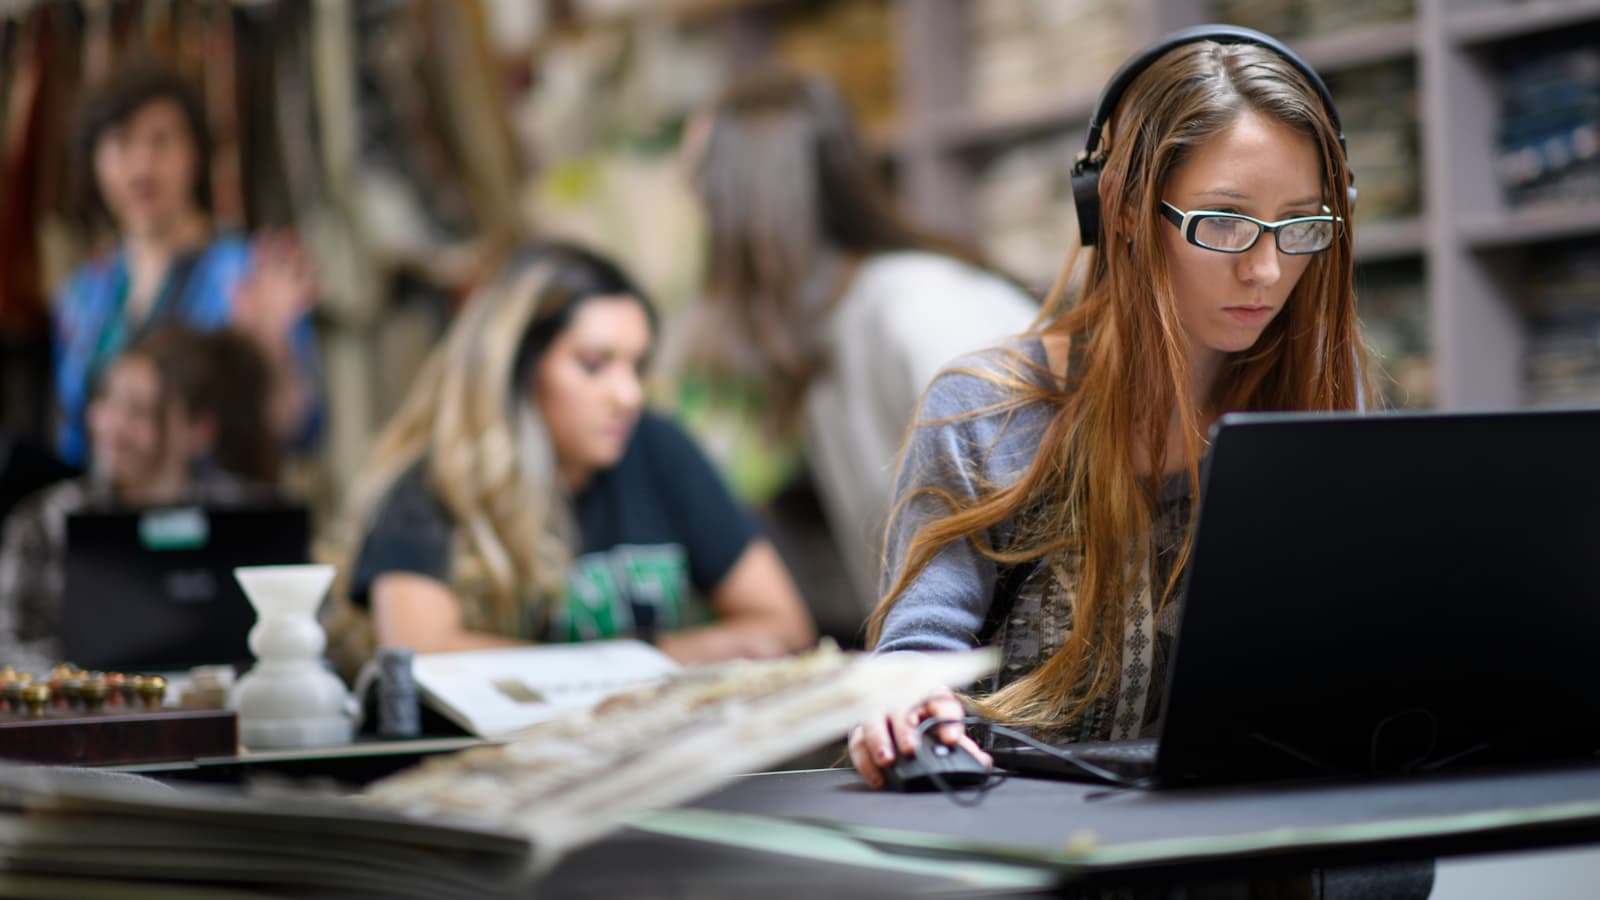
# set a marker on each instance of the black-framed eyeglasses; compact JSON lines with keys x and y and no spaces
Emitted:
{"x":1234,"y":233}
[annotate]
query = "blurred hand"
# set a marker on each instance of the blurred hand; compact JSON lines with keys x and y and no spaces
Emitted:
{"x":279,"y":289}
{"x":877,"y":743}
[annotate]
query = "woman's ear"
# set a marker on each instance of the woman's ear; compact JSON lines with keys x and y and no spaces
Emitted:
{"x":1125,"y":222}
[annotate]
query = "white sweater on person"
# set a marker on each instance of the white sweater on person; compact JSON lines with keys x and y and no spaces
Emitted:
{"x":905,"y":316}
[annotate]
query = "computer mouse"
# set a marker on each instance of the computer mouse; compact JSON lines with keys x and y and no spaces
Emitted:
{"x":955,"y":766}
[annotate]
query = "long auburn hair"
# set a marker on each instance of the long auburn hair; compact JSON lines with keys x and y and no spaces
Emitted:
{"x":470,"y":418}
{"x":1081,"y":493}
{"x":793,"y":201}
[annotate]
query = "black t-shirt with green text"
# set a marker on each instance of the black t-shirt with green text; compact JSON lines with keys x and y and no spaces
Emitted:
{"x":660,"y":531}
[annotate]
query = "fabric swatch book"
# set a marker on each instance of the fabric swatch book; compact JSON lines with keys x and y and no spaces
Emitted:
{"x":485,"y":822}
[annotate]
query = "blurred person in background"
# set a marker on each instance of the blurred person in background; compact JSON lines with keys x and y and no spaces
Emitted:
{"x":824,"y":298}
{"x":179,"y":417}
{"x":142,"y":168}
{"x":522,"y":493}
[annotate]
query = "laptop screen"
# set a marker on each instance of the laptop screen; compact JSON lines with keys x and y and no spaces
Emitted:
{"x":152,"y":590}
{"x":1387,"y":594}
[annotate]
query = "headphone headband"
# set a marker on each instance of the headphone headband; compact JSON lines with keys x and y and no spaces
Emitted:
{"x":1086,"y":171}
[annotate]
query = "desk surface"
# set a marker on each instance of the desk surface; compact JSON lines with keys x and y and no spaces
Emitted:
{"x":821,"y":832}
{"x":757,"y":825}
{"x":1077,"y":825}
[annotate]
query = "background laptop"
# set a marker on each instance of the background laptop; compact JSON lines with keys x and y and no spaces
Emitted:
{"x":1383,"y":594}
{"x":154,"y":589}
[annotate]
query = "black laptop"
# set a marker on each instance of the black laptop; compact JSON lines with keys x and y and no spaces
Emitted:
{"x":1381,"y":594}
{"x":154,"y":590}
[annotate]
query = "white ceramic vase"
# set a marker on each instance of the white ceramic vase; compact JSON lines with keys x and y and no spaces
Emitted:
{"x":289,"y":698}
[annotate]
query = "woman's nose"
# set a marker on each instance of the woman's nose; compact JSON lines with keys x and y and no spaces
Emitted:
{"x":1260,"y":264}
{"x":628,"y":391}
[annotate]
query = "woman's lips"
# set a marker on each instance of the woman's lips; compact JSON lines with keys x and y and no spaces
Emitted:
{"x":1249,"y":315}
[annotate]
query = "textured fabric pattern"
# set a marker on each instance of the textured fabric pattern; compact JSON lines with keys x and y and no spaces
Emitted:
{"x":1132,"y":710}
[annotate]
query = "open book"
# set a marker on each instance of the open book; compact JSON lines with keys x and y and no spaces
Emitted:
{"x":492,"y":693}
{"x":480,"y":823}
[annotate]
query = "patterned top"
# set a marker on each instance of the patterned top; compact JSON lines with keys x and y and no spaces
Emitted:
{"x":91,"y":328}
{"x":974,"y":440}
{"x":1040,"y":621}
{"x":34,"y":551}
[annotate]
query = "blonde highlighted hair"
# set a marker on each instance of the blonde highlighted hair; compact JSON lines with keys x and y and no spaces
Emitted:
{"x":1081,"y":494}
{"x":471,"y":421}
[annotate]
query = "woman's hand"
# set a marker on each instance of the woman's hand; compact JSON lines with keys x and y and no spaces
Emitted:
{"x":279,"y":288}
{"x":877,"y":743}
{"x":268,"y":304}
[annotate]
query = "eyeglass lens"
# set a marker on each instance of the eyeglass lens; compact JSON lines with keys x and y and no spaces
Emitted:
{"x":1229,"y":233}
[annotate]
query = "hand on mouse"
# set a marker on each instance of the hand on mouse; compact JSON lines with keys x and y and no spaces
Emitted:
{"x":876,"y":743}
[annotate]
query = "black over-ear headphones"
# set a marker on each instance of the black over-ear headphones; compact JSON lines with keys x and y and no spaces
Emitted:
{"x":1086,"y":171}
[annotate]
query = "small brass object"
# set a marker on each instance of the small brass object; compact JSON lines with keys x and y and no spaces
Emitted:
{"x":94,"y":692}
{"x":37,"y":696}
{"x":71,"y":693}
{"x":13,"y":691}
{"x":152,"y":689}
{"x":128,"y":687}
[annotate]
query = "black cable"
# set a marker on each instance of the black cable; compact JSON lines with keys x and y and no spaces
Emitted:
{"x":975,"y":796}
{"x":1099,"y":772}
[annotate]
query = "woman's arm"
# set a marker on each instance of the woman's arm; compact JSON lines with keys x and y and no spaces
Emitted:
{"x":954,"y":452}
{"x":419,"y":612}
{"x":759,"y":614}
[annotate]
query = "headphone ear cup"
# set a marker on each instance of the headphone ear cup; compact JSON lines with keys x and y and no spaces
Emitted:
{"x":1086,"y":199}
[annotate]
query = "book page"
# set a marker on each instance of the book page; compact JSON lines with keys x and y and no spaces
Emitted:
{"x":492,"y":693}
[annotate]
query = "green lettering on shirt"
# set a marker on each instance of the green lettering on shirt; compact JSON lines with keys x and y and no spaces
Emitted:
{"x":604,"y":588}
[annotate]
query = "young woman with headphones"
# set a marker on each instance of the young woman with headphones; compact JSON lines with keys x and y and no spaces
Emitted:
{"x":1045,"y":498}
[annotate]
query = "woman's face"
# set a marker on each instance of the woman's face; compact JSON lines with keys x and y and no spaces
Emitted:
{"x":127,"y":424}
{"x":589,"y":384}
{"x":145,"y":166}
{"x":1261,"y":168}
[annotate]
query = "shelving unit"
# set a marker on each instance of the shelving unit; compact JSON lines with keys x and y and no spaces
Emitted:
{"x":1464,"y":238}
{"x":1474,"y":234}
{"x":1467,"y":24}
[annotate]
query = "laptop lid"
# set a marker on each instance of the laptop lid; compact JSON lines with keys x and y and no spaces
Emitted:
{"x":1389,"y":593}
{"x":153,"y":589}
